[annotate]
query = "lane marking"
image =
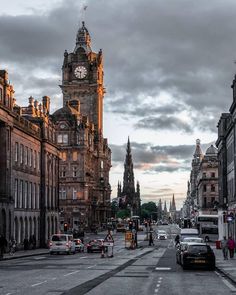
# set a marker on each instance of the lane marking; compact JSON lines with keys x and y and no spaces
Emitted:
{"x":53,"y":279}
{"x":71,"y":273}
{"x":158,"y":285}
{"x":163,"y":268}
{"x":231,"y":287}
{"x":156,"y":290}
{"x":92,"y":266}
{"x":34,"y":285}
{"x":8,"y":293}
{"x":83,"y":257}
{"x":39,"y":258}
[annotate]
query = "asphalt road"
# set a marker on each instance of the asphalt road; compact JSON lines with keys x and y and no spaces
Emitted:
{"x":147,"y":270}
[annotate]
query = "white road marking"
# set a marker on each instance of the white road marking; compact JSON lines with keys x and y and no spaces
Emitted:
{"x":53,"y":279}
{"x":163,"y":268}
{"x":83,"y":257}
{"x":39,"y":258}
{"x":156,"y":290}
{"x":232,"y":288}
{"x":71,"y":273}
{"x":158,"y":285}
{"x":92,"y":266}
{"x":8,"y":293}
{"x":34,"y":285}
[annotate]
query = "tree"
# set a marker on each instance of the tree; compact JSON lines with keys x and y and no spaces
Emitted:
{"x":149,"y":210}
{"x":123,"y":213}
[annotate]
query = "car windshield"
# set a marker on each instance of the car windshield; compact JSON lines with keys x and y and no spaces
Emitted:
{"x":198,"y":249}
{"x":59,"y":238}
{"x":188,"y":240}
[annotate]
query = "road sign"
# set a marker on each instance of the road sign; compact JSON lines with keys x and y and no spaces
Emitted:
{"x":128,"y":236}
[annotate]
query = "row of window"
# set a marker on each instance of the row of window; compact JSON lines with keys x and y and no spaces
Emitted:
{"x":75,"y":173}
{"x":213,"y":188}
{"x":212,"y":175}
{"x":63,"y":193}
{"x":26,"y":194}
{"x":27,"y":156}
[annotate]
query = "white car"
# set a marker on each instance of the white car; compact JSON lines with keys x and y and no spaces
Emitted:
{"x":62,"y":243}
{"x":161,"y":235}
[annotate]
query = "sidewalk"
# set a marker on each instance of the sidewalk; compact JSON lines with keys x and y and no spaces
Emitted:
{"x":226,"y":267}
{"x":25,"y":253}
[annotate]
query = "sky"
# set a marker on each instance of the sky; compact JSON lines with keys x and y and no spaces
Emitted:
{"x":168,"y":69}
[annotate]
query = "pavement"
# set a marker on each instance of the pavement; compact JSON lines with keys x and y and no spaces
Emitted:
{"x":225,"y":267}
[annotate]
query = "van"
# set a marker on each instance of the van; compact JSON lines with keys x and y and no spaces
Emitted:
{"x":62,"y":243}
{"x":188,"y":232}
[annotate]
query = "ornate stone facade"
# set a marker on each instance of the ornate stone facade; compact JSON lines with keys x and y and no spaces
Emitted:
{"x":84,"y":189}
{"x":29,"y":168}
{"x":128,"y":196}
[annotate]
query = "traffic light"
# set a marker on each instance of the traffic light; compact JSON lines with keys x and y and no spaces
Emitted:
{"x":130,"y":225}
{"x":65,"y":227}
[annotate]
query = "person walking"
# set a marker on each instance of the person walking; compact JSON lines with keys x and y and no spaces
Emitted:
{"x":151,"y":243}
{"x":224,"y":247}
{"x":231,"y":246}
{"x":3,"y":244}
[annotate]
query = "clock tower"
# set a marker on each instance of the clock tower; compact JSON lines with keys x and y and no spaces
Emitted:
{"x":82,"y":79}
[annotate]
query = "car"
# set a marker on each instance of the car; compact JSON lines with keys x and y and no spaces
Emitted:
{"x":95,"y":246}
{"x":79,"y":246}
{"x":61,"y":243}
{"x":161,"y":235}
{"x":188,"y":232}
{"x":182,"y":246}
{"x":197,"y":254}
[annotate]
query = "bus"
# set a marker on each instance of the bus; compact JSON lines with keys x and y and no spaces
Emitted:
{"x":207,"y":226}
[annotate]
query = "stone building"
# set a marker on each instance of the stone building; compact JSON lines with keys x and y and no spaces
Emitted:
{"x":207,"y":182}
{"x":226,"y":144}
{"x":172,"y":209}
{"x":84,"y":189}
{"x":129,"y":196}
{"x":29,"y":168}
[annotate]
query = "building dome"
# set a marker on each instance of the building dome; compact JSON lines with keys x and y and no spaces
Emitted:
{"x":211,"y":151}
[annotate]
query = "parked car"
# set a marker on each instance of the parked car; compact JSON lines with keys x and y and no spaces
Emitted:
{"x":95,"y":246}
{"x":197,"y":254}
{"x":182,"y":246}
{"x":61,"y":243}
{"x":79,"y":246}
{"x":161,"y":235}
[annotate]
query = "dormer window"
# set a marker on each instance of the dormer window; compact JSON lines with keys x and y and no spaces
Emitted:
{"x":62,"y":138}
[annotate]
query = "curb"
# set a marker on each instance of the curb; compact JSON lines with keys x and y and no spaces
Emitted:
{"x":228,"y":276}
{"x":22,"y":256}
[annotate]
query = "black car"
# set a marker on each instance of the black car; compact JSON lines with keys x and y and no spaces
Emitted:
{"x":95,"y":246}
{"x":197,"y":255}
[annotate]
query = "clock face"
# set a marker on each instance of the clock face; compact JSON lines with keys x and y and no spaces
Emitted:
{"x":80,"y":72}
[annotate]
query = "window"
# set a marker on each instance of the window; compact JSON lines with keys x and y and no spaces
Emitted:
{"x":21,"y":153}
{"x":35,"y":159}
{"x":1,"y":95}
{"x":38,"y":161}
{"x":16,"y":193}
{"x":26,"y":155}
{"x":31,"y":157}
{"x":74,"y":196}
{"x":74,"y":156}
{"x":204,"y":174}
{"x":204,"y":188}
{"x":213,"y":174}
{"x":33,"y":195}
{"x":21,"y":194}
{"x":26,"y":195}
{"x":101,"y":164}
{"x":62,"y":138}
{"x":64,"y":193}
{"x":63,"y":156}
{"x":213,"y":188}
{"x":16,"y":152}
{"x":30,"y":195}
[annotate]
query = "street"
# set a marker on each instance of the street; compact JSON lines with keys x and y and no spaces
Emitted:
{"x":147,"y":270}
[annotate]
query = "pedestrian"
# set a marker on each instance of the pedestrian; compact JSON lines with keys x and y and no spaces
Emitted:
{"x":151,"y":243}
{"x":26,"y":244}
{"x":31,"y":242}
{"x":177,"y":238}
{"x":231,"y":246}
{"x":3,"y":244}
{"x":224,"y":247}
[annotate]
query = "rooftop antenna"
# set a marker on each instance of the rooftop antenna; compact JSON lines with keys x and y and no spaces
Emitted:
{"x":82,"y":13}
